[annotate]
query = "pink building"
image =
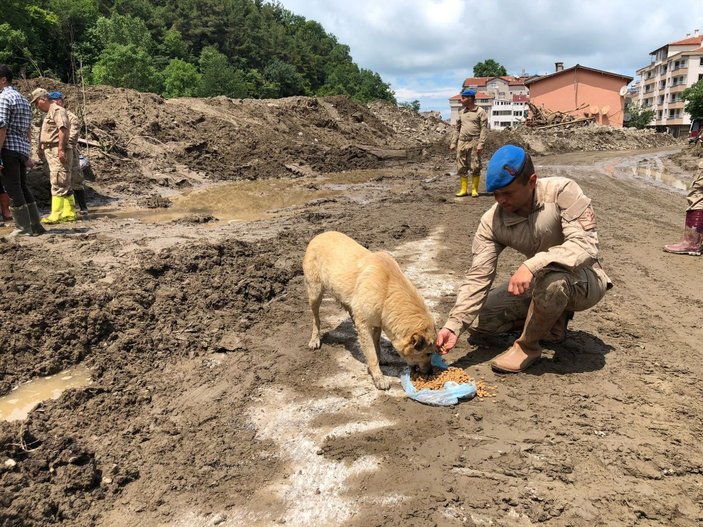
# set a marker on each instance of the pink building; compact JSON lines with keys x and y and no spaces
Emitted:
{"x":581,"y":92}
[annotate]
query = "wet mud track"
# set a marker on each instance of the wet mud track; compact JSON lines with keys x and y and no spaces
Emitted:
{"x":207,"y":408}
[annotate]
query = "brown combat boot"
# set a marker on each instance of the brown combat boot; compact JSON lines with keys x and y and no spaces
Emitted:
{"x":515,"y":359}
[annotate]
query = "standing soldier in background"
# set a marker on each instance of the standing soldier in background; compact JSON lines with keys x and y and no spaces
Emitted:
{"x":76,"y":173}
{"x":692,"y":242}
{"x":15,"y":152}
{"x":469,"y":136}
{"x":53,"y":144}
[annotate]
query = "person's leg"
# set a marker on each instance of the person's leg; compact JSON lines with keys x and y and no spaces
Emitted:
{"x":77,"y":182}
{"x":475,"y":171}
{"x":462,"y":169}
{"x":61,"y":208}
{"x":11,"y":176}
{"x":14,"y":171}
{"x":555,"y":293}
{"x":501,"y":312}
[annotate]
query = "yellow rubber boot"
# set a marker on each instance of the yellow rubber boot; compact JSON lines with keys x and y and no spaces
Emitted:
{"x":68,"y":212}
{"x":464,"y":191}
{"x":474,"y":186}
{"x":56,"y":209}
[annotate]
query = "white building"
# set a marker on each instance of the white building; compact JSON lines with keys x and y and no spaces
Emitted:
{"x":673,"y":68}
{"x":504,"y":99}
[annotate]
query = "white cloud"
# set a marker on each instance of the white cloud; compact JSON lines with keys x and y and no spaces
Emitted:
{"x":424,"y":46}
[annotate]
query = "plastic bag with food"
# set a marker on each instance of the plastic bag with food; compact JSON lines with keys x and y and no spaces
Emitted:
{"x":447,"y":396}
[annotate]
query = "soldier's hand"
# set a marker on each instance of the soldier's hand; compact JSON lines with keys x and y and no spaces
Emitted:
{"x":446,"y":340}
{"x":62,"y":156}
{"x":479,"y":150}
{"x":521,"y":281}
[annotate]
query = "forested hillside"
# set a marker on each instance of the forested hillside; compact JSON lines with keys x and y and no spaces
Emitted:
{"x":237,"y":48}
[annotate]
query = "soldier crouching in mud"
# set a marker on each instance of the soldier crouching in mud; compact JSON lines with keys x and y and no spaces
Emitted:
{"x":553,"y":224}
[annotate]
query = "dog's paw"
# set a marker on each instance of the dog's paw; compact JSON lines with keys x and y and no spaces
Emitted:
{"x":381,"y":382}
{"x":314,"y":343}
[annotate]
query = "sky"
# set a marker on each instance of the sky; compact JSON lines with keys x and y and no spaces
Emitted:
{"x":425,"y":48}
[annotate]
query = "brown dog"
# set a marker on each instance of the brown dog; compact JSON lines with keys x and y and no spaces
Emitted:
{"x":377,"y":295}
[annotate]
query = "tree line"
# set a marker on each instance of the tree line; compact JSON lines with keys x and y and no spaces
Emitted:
{"x":201,"y":48}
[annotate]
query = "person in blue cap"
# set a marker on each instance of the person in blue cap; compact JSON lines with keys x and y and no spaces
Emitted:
{"x":550,"y":221}
{"x":469,"y":136}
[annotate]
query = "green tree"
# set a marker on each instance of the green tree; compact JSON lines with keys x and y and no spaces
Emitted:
{"x":126,"y":67}
{"x":694,"y":100}
{"x":639,"y":117}
{"x":285,"y":78}
{"x":180,"y":79}
{"x":489,"y":68}
{"x":123,"y":30}
{"x":414,"y":105}
{"x":219,"y":77}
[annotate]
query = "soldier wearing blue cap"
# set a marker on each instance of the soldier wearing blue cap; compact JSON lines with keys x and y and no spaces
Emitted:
{"x":550,"y":221}
{"x":470,"y":132}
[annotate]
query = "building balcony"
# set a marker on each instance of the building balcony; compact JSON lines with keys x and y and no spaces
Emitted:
{"x":678,"y":88}
{"x":676,"y":105}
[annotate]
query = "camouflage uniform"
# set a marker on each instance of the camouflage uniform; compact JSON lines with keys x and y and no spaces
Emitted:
{"x":470,"y":131}
{"x":560,"y":241}
{"x":59,"y":173}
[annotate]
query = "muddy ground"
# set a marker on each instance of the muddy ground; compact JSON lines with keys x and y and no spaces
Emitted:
{"x":207,"y":408}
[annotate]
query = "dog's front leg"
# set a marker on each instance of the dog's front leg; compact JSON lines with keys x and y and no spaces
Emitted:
{"x":370,"y":347}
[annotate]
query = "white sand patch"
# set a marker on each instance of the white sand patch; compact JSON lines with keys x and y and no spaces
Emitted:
{"x":419,"y":263}
{"x":315,"y":490}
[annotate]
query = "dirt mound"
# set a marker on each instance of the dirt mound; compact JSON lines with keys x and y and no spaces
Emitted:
{"x":143,"y":143}
{"x":579,"y":137}
{"x":689,"y":158}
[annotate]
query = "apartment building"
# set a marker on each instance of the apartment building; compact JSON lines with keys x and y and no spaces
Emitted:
{"x":673,"y":68}
{"x":504,"y":99}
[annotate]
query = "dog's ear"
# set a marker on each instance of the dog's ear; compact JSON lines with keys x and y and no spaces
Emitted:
{"x":419,"y":342}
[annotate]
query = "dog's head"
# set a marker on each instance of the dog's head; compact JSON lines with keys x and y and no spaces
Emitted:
{"x":417,"y":350}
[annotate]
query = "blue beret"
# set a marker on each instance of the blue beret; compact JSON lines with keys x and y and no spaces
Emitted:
{"x":505,"y":164}
{"x":53,"y":95}
{"x":468,"y":92}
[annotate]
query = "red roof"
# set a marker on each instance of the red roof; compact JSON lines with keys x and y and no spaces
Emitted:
{"x":479,"y":95}
{"x":521,"y":98}
{"x":533,"y":80}
{"x":481,"y":81}
{"x":690,"y":41}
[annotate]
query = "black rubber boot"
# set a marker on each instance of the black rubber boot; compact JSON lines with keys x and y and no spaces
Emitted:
{"x":80,"y":199}
{"x":35,"y":218}
{"x":22,"y":222}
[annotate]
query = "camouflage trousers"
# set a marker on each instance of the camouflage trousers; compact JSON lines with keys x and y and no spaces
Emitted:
{"x":467,"y":158}
{"x":59,"y":173}
{"x":577,"y":291}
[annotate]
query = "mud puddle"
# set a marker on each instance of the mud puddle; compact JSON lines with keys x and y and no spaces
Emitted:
{"x":253,"y":200}
{"x":16,"y":405}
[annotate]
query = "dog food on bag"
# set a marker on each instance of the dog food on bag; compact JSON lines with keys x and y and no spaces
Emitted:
{"x":436,"y":379}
